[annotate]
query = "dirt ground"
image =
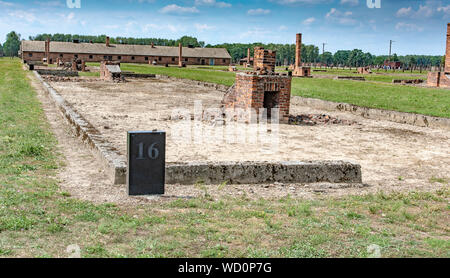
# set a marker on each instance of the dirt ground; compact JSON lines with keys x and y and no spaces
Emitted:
{"x":393,"y":156}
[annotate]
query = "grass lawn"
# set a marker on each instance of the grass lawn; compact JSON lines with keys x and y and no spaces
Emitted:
{"x":427,"y":101}
{"x":37,"y":219}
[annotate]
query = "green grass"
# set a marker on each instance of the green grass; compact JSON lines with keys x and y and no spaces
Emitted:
{"x":427,"y":101}
{"x":38,"y":219}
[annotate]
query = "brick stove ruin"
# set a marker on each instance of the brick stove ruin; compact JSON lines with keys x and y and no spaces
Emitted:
{"x":300,"y":71}
{"x":110,"y":71}
{"x":442,"y":79}
{"x":261,"y":88}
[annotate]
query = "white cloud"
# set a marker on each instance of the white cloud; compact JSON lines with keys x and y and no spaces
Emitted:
{"x":203,"y":27}
{"x":402,"y":26}
{"x":258,"y":11}
{"x":27,"y":16}
{"x":350,"y":2}
{"x":212,"y":3}
{"x":403,"y":12}
{"x":290,"y":2}
{"x":8,"y":4}
{"x":344,"y":18}
{"x":175,"y":9}
{"x":309,"y":21}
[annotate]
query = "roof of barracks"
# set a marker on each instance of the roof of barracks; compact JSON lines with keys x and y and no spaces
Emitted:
{"x":124,"y":49}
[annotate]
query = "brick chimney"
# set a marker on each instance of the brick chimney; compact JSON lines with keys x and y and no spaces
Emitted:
{"x":298,"y":51}
{"x":153,"y":45}
{"x":47,"y":50}
{"x":107,"y":41}
{"x":180,"y":57}
{"x":447,"y":54}
{"x":248,"y":56}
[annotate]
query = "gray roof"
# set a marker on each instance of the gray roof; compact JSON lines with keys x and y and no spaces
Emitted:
{"x":124,"y":49}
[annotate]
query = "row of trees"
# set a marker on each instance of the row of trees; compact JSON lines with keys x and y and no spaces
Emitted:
{"x":285,"y":52}
{"x":186,"y":40}
{"x":12,"y":45}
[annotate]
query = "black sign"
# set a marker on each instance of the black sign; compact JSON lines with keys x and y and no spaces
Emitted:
{"x":146,"y":163}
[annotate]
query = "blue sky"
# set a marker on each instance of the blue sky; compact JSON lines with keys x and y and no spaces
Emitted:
{"x":416,"y":26}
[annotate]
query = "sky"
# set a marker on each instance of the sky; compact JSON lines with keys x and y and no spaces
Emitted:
{"x":415,"y":26}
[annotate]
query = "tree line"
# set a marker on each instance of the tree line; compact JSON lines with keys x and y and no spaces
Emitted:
{"x":185,"y":40}
{"x":238,"y":51}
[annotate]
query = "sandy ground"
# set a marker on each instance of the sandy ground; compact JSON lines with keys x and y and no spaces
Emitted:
{"x":393,"y":156}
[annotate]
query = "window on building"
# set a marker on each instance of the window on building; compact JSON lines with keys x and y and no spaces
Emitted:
{"x":186,"y":60}
{"x":61,"y":55}
{"x":173,"y":59}
{"x":91,"y":57}
{"x":119,"y":57}
{"x":146,"y":58}
{"x":224,"y":60}
{"x":159,"y":58}
{"x":30,"y":54}
{"x":76,"y":55}
{"x":132,"y":57}
{"x":105,"y":57}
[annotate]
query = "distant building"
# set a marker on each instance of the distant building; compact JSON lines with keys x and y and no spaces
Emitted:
{"x":393,"y":65}
{"x":97,"y":52}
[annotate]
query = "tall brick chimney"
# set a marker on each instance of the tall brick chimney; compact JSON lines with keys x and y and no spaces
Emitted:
{"x":298,"y":51}
{"x":107,"y":41}
{"x":180,"y":57}
{"x":447,"y":54}
{"x":47,"y":50}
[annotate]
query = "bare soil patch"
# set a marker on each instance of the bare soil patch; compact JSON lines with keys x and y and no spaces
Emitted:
{"x":393,"y":156}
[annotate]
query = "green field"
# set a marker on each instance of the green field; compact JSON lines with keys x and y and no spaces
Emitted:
{"x":38,"y":219}
{"x":427,"y":101}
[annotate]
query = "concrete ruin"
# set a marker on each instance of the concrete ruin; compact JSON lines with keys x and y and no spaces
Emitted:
{"x":442,"y":79}
{"x":261,"y":88}
{"x":110,"y":71}
{"x":299,"y":70}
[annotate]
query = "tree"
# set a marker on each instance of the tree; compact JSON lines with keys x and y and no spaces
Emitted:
{"x":1,"y":50}
{"x":12,"y":44}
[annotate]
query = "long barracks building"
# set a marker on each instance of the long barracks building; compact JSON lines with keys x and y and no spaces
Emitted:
{"x":97,"y":52}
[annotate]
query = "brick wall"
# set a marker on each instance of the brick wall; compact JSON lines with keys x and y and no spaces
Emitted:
{"x":264,"y":60}
{"x":447,"y":56}
{"x":433,"y":79}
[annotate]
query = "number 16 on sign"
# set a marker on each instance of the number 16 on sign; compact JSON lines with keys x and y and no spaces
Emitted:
{"x":146,"y":163}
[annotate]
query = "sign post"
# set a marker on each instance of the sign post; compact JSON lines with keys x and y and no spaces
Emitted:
{"x":146,"y":163}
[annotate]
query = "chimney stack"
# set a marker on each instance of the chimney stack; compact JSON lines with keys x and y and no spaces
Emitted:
{"x":47,"y":50}
{"x":180,"y":58}
{"x":447,"y":53}
{"x":298,"y":51}
{"x":153,"y":45}
{"x":107,"y":41}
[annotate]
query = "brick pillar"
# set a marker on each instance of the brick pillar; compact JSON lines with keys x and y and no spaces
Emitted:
{"x":180,"y":56}
{"x":298,"y":51}
{"x":83,"y":66}
{"x":447,"y":55}
{"x":248,"y":56}
{"x":108,"y":41}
